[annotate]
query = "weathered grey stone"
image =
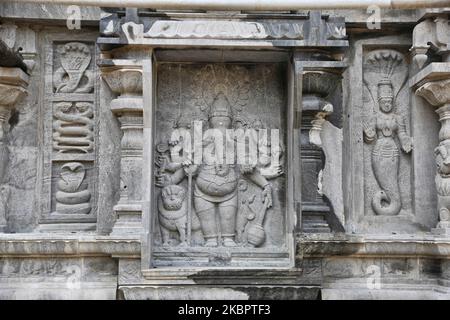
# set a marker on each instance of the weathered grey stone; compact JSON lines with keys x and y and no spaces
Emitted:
{"x":94,"y":203}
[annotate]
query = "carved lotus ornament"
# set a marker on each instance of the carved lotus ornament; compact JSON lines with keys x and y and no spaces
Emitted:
{"x":319,"y":82}
{"x":437,"y":93}
{"x":124,"y":81}
{"x":13,"y":83}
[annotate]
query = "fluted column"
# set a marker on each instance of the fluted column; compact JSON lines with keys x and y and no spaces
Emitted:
{"x":126,"y":82}
{"x":13,"y":83}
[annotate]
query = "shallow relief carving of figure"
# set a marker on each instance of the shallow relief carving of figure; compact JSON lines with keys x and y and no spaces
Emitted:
{"x":385,"y":128}
{"x":221,"y":205}
{"x":174,"y":200}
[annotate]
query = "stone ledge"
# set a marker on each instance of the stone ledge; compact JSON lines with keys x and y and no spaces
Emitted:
{"x":433,"y":72}
{"x":373,"y":246}
{"x":219,"y":292}
{"x":81,"y":245}
{"x":309,"y":246}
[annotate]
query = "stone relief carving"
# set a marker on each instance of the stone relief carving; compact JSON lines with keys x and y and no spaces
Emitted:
{"x":69,"y":161}
{"x":442,"y":179}
{"x":36,"y":267}
{"x":384,"y":76}
{"x":213,"y":201}
{"x":173,"y":213}
{"x":73,"y":76}
{"x":72,"y":196}
{"x":73,"y":127}
{"x":316,"y":30}
{"x":214,"y":29}
{"x":225,"y":29}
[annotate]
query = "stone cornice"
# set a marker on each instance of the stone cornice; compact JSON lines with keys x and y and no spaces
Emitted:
{"x":59,"y":245}
{"x":433,"y":72}
{"x":398,"y":246}
{"x":308,"y":247}
{"x":437,"y":93}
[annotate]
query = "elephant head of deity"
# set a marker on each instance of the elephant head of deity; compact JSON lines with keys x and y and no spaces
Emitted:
{"x":220,"y":114}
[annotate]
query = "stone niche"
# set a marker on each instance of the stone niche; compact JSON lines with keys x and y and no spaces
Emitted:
{"x":69,"y":171}
{"x":382,"y":149}
{"x":231,"y":222}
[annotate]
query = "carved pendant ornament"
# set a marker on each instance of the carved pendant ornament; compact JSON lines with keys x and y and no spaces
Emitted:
{"x":210,"y":197}
{"x":385,"y":129}
{"x":73,"y":76}
{"x":72,"y":197}
{"x":73,"y":127}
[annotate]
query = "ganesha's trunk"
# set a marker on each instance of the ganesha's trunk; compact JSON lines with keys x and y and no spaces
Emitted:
{"x":385,"y":163}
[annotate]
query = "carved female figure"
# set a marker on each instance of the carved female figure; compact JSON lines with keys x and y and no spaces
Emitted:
{"x":383,"y":130}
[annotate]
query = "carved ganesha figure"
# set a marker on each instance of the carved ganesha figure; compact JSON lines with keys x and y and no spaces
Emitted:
{"x":215,"y":188}
{"x":383,"y":131}
{"x":73,"y":75}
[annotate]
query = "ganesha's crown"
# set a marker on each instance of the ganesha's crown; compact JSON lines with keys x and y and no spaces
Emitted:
{"x":221,"y":107}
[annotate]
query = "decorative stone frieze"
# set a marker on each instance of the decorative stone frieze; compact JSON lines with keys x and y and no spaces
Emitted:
{"x":101,"y":196}
{"x":70,"y":140}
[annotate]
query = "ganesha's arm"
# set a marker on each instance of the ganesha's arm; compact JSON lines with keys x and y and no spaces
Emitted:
{"x":266,"y":187}
{"x":258,"y":179}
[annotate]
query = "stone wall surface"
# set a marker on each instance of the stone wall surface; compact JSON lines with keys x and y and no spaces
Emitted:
{"x":101,"y":197}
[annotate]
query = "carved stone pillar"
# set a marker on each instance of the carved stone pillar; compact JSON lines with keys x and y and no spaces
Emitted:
{"x":13,"y":83}
{"x":126,"y":82}
{"x":432,"y":38}
{"x":437,"y":93}
{"x":317,"y":86}
{"x":314,"y":209}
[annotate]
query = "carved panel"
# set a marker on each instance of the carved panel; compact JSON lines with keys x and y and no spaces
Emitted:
{"x":72,"y":194}
{"x":226,"y":30}
{"x":73,"y":127}
{"x":386,"y":132}
{"x":69,"y":171}
{"x":73,"y":64}
{"x":219,"y":213}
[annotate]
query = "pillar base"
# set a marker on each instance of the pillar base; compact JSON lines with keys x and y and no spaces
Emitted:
{"x":441,"y":231}
{"x":66,"y":227}
{"x":129,"y":219}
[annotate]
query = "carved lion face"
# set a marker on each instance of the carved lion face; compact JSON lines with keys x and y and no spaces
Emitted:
{"x":173,"y":197}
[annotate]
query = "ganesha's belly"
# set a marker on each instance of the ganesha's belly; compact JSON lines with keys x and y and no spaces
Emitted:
{"x":216,"y":185}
